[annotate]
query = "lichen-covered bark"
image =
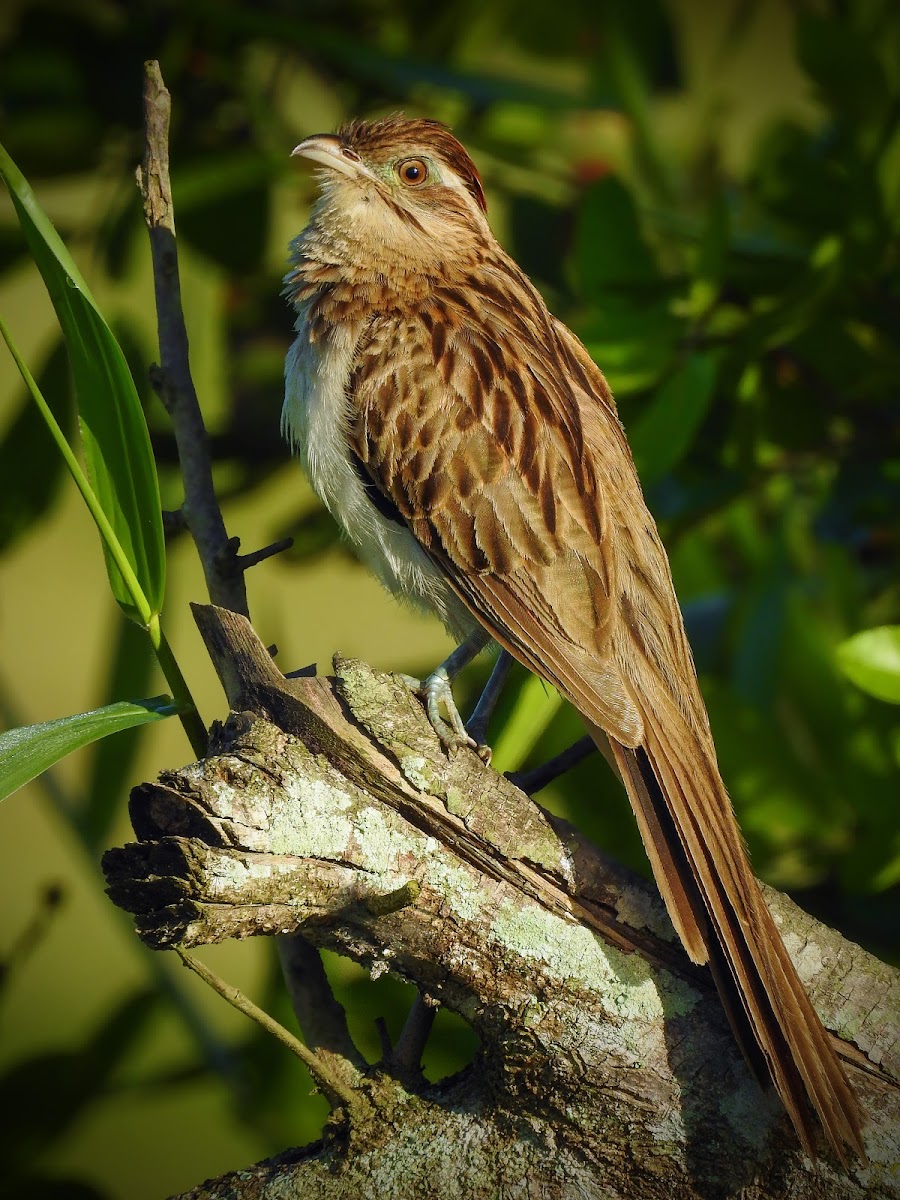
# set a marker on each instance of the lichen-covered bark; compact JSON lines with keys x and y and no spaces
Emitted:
{"x":607,"y":1068}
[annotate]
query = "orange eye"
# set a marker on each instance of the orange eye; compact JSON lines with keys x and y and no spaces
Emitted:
{"x":413,"y":172}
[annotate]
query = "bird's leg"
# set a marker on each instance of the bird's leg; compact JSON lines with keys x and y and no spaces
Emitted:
{"x":538,"y":777}
{"x":436,"y":691}
{"x":477,"y":724}
{"x":531,"y":781}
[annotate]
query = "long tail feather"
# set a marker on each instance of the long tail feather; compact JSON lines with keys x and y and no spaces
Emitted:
{"x":717,"y":907}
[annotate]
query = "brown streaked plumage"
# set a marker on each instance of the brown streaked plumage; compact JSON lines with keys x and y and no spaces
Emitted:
{"x":472,"y":450}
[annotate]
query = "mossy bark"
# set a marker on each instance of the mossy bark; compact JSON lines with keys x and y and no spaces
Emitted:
{"x":606,"y":1069}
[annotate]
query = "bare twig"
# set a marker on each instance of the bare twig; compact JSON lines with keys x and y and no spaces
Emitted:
{"x":321,"y":1016}
{"x":172,"y":379}
{"x":24,"y":944}
{"x":257,"y":556}
{"x":246,"y":561}
{"x":538,"y":777}
{"x":173,"y":521}
{"x":384,"y":1036}
{"x":223,"y":567}
{"x":406,"y":1056}
{"x":338,"y":1091}
{"x":394,"y":900}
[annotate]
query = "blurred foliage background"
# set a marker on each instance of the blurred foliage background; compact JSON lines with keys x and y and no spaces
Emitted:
{"x":710,"y":196}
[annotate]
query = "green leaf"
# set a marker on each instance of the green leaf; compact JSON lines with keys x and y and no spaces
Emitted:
{"x":610,"y":249}
{"x":28,"y":492}
{"x":116,"y":443}
{"x":844,"y":65}
{"x":26,"y":752}
{"x":666,"y":429}
{"x":633,"y":342}
{"x":527,"y":707}
{"x":871,"y":659}
{"x":111,"y":543}
{"x":760,"y":634}
{"x":712,"y":251}
{"x":628,"y":57}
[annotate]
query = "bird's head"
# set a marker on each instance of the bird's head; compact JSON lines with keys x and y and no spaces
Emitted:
{"x":397,"y":184}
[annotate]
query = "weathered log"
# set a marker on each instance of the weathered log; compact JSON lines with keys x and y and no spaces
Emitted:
{"x":606,"y":1069}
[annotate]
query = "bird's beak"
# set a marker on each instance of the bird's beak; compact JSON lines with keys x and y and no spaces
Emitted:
{"x":328,"y":150}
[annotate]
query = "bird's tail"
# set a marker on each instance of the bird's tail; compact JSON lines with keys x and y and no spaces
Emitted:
{"x":717,"y":907}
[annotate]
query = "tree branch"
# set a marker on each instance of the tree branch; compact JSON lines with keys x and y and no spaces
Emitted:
{"x":405,"y":1059}
{"x":606,"y":1064}
{"x":223,"y":566}
{"x":336,"y":1085}
{"x":172,"y":379}
{"x":322,"y":1019}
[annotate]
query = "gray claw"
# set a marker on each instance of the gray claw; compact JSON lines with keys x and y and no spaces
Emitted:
{"x":436,"y":692}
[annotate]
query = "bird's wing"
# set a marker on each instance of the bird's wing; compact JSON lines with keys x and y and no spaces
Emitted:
{"x":495,"y":436}
{"x":482,"y":453}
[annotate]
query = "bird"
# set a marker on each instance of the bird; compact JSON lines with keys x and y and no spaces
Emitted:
{"x":472,"y":451}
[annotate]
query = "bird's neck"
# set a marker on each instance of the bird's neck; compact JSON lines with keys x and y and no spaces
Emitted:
{"x":351,"y":262}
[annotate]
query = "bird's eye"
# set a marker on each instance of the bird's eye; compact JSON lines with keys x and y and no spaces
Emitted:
{"x":412,"y":172}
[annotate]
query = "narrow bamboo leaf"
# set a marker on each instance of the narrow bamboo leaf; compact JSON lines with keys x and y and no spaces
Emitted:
{"x":526,"y":709}
{"x":610,"y":247}
{"x":26,"y":752}
{"x":665,"y":431}
{"x":871,"y":659}
{"x":111,"y":544}
{"x":760,"y":635}
{"x":116,"y":443}
{"x":27,"y":492}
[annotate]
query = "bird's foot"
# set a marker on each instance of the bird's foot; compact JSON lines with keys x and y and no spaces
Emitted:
{"x":538,"y":777}
{"x":437,"y":693}
{"x":477,"y":724}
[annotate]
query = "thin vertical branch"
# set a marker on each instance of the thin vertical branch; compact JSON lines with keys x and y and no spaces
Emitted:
{"x":320,"y":1015}
{"x":406,"y":1055}
{"x":172,"y":379}
{"x":223,"y":567}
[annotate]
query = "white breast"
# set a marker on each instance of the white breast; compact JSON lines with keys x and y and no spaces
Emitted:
{"x":314,"y":420}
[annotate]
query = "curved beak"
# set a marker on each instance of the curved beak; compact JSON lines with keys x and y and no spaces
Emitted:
{"x":328,"y":150}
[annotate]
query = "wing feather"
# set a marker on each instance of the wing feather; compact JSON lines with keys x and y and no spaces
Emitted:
{"x":487,"y":459}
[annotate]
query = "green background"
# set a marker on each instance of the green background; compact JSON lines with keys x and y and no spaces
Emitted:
{"x":710,"y":196}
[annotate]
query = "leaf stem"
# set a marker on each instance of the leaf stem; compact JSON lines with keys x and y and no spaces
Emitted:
{"x":187,"y":710}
